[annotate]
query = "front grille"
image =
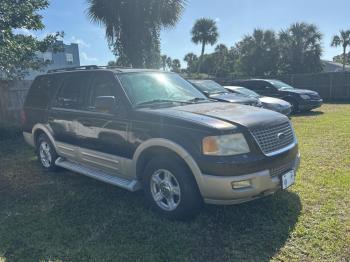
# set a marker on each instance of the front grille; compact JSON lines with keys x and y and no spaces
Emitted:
{"x":274,"y":138}
{"x":277,"y":171}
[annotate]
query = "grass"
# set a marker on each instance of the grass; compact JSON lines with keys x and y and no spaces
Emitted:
{"x":68,"y":217}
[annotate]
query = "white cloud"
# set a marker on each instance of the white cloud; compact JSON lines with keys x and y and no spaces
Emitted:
{"x":79,"y":41}
{"x":85,"y":58}
{"x":217,"y":19}
{"x":24,"y":31}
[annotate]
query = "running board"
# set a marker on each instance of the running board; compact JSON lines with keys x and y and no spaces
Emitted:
{"x":131,"y":185}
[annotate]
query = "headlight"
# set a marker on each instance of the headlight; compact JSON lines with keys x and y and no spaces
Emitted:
{"x":305,"y":96}
{"x":225,"y":145}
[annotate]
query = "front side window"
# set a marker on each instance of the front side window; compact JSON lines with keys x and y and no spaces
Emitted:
{"x":72,"y":93}
{"x":280,"y":85}
{"x":145,"y":87}
{"x":103,"y":84}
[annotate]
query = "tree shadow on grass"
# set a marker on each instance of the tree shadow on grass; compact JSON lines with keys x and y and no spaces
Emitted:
{"x":69,"y":217}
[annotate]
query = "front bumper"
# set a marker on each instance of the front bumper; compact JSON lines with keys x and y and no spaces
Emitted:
{"x":218,"y":189}
{"x":310,"y":104}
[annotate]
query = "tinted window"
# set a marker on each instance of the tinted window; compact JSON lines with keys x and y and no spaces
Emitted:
{"x":102,"y":84}
{"x":255,"y":85}
{"x":280,"y":85}
{"x":41,"y":91}
{"x":72,"y":92}
{"x":148,"y":86}
{"x":209,"y":86}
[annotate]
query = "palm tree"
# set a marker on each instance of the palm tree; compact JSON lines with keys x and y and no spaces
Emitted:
{"x":164,"y":58}
{"x":220,"y":57}
{"x":205,"y":32}
{"x":342,"y":40}
{"x":258,"y":53}
{"x":190,"y":59}
{"x":300,"y":47}
{"x":132,"y":27}
{"x":176,"y":66}
{"x":169,"y":62}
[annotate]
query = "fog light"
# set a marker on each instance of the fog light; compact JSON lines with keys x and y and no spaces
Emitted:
{"x":241,"y":184}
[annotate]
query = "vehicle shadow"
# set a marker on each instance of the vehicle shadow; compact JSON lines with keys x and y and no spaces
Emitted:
{"x":308,"y":113}
{"x":65,"y":216}
{"x":69,"y":217}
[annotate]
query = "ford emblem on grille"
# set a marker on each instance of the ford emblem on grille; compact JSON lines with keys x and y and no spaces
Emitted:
{"x":281,"y":136}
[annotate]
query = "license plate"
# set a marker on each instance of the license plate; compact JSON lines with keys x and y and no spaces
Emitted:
{"x":288,"y":179}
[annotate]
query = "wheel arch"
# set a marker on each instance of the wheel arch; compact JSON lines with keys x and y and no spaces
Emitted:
{"x":39,"y":129}
{"x":160,"y":146}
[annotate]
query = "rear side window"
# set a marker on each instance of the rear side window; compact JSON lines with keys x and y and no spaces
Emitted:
{"x":72,"y":92}
{"x":41,"y":91}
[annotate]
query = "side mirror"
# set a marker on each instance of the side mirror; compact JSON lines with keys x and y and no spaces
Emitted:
{"x":270,"y":88}
{"x":105,"y":104}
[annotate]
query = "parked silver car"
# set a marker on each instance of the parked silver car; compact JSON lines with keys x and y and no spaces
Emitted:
{"x":271,"y":103}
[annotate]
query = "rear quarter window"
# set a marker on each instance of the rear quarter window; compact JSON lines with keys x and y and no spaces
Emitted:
{"x":41,"y":91}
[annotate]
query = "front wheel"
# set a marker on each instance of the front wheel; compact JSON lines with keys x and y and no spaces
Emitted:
{"x":295,"y":106}
{"x":171,"y":189}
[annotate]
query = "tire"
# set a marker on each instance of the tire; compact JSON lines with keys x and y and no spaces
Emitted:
{"x":295,"y":106}
{"x":171,"y":189}
{"x":46,"y":153}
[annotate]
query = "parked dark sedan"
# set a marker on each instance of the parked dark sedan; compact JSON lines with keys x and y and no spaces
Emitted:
{"x":300,"y":99}
{"x":217,"y":92}
{"x":271,"y":103}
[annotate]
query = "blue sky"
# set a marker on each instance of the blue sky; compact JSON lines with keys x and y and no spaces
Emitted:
{"x":235,"y":18}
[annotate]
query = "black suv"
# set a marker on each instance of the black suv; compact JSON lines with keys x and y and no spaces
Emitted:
{"x":300,"y":99}
{"x":153,"y":130}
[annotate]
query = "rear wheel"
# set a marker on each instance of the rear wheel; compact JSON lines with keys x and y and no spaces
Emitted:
{"x":46,"y":153}
{"x":171,"y":189}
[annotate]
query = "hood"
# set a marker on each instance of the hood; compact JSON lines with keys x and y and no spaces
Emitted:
{"x":301,"y":91}
{"x":222,"y":115}
{"x":273,"y":100}
{"x":234,"y":98}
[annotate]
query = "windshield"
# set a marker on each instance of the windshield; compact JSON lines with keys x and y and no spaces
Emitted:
{"x":244,"y":91}
{"x":208,"y":86}
{"x":155,"y":87}
{"x":280,"y":85}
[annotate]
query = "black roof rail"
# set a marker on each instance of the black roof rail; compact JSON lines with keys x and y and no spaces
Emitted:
{"x":86,"y":67}
{"x":115,"y":67}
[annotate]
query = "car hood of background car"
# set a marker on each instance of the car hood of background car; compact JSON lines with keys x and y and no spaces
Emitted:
{"x":233,"y":98}
{"x":221,"y":115}
{"x":273,"y":100}
{"x":300,"y":91}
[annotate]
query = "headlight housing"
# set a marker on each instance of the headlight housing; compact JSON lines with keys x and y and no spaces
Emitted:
{"x":225,"y":145}
{"x":305,"y":96}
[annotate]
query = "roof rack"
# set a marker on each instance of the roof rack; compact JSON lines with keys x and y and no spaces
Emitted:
{"x":86,"y":67}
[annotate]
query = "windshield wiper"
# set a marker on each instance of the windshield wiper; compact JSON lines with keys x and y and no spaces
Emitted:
{"x":157,"y":101}
{"x":218,"y":92}
{"x":197,"y":99}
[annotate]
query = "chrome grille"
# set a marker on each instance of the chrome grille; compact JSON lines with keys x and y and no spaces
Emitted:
{"x":277,"y":171}
{"x":274,"y":138}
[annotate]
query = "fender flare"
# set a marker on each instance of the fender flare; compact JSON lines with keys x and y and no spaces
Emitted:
{"x":47,"y":130}
{"x":174,"y":147}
